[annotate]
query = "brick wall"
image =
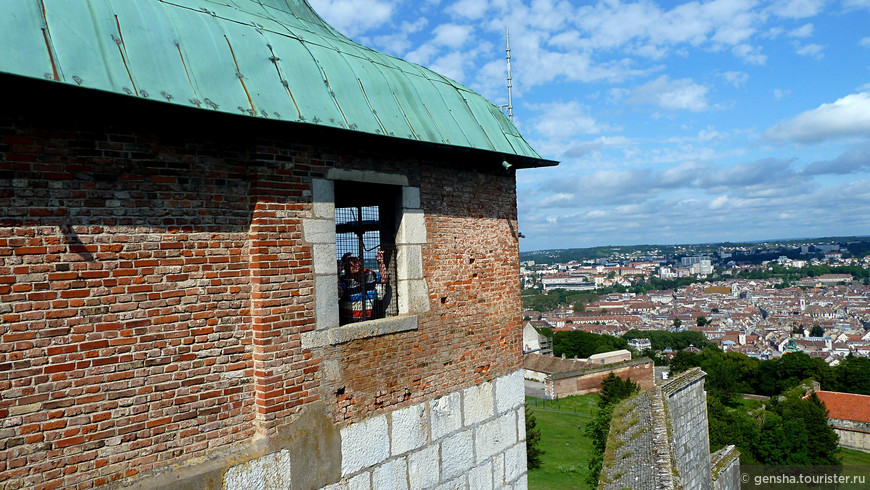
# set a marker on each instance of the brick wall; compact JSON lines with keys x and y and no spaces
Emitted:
{"x":582,"y":384}
{"x":154,"y":286}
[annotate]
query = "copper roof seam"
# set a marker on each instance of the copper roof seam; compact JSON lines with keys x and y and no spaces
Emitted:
{"x":328,"y":86}
{"x":240,"y":76}
{"x":122,"y":50}
{"x":186,"y":72}
{"x":407,"y":120}
{"x":444,"y":138}
{"x":274,"y":59}
{"x":49,"y":45}
{"x":473,"y":116}
{"x":332,"y":94}
{"x":369,"y":102}
{"x":54,"y":73}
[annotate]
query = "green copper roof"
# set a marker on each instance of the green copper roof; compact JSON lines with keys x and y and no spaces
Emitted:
{"x":274,"y":59}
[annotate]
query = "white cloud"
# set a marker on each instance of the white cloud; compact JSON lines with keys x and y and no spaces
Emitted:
{"x":345,"y":15}
{"x":750,"y":54}
{"x":703,"y":136}
{"x":856,"y":159}
{"x":422,"y":55}
{"x":779,"y":94}
{"x":718,"y":202}
{"x":671,"y":94}
{"x":561,"y":120}
{"x":469,"y":9}
{"x":796,"y":9}
{"x":805,"y":30}
{"x":452,"y":35}
{"x":451,"y":65}
{"x":736,"y":78}
{"x":864,"y":42}
{"x":849,"y":116}
{"x":812,"y":50}
{"x":856,"y":4}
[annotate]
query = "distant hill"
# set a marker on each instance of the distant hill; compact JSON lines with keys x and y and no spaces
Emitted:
{"x":856,"y":245}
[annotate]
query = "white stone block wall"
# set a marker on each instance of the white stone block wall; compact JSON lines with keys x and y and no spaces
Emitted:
{"x":466,"y":440}
{"x":471,"y":439}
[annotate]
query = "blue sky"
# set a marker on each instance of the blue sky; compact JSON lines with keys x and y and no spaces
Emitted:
{"x":724,"y":120}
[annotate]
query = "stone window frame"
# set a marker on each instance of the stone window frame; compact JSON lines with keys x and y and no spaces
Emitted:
{"x":319,"y":232}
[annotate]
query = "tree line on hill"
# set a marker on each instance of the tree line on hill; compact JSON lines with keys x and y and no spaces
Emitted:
{"x":790,"y":275}
{"x":789,"y":429}
{"x":578,"y":343}
{"x":730,"y":374}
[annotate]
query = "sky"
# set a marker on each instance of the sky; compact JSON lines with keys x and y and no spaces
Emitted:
{"x":673,"y":122}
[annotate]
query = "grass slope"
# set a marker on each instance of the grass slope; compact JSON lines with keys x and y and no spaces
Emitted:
{"x":852,"y":457}
{"x":567,"y":449}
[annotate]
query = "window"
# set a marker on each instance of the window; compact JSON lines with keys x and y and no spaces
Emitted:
{"x":365,"y":230}
{"x":358,"y":212}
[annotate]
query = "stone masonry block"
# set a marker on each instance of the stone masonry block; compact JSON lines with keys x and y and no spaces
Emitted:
{"x":412,"y":228}
{"x":410,"y":428}
{"x":522,"y":483}
{"x":515,"y":462}
{"x":367,"y":176}
{"x":413,"y":296}
{"x":409,"y":263}
{"x":411,"y":197}
{"x":498,"y":470}
{"x":326,"y":292}
{"x":364,"y":444}
{"x":325,"y":262}
{"x":480,"y":478}
{"x":477,"y":403}
{"x":495,"y":436}
{"x":323,"y":197}
{"x":457,"y":454}
{"x":446,"y":415}
{"x":521,"y":424}
{"x":424,"y":469}
{"x":392,"y":474}
{"x":270,"y":471}
{"x":363,"y":481}
{"x":460,"y":483}
{"x":509,"y":392}
{"x":341,"y":485}
{"x":319,"y":231}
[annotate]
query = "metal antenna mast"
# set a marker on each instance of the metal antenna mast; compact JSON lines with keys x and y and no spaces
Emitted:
{"x":510,"y":106}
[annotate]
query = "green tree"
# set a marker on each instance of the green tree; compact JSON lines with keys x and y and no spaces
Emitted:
{"x":817,"y":331}
{"x":675,"y":340}
{"x":852,"y":375}
{"x":534,"y":453}
{"x":787,"y":428}
{"x":730,"y":426}
{"x":677,"y":322}
{"x":701,"y":321}
{"x":584,"y":344}
{"x":613,"y":390}
{"x":683,"y":361}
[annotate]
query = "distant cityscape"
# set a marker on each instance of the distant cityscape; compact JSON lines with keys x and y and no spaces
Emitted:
{"x":759,"y":299}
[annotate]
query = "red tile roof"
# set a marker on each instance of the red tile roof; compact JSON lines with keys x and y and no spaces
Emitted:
{"x":846,"y":406}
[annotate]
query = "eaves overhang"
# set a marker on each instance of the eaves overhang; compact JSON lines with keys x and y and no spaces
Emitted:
{"x":265,"y":59}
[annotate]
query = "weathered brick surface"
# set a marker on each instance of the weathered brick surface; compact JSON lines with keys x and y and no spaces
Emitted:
{"x":642,"y":373}
{"x":154,"y":285}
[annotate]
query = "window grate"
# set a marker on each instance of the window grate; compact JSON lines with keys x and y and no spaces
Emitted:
{"x":366,"y":292}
